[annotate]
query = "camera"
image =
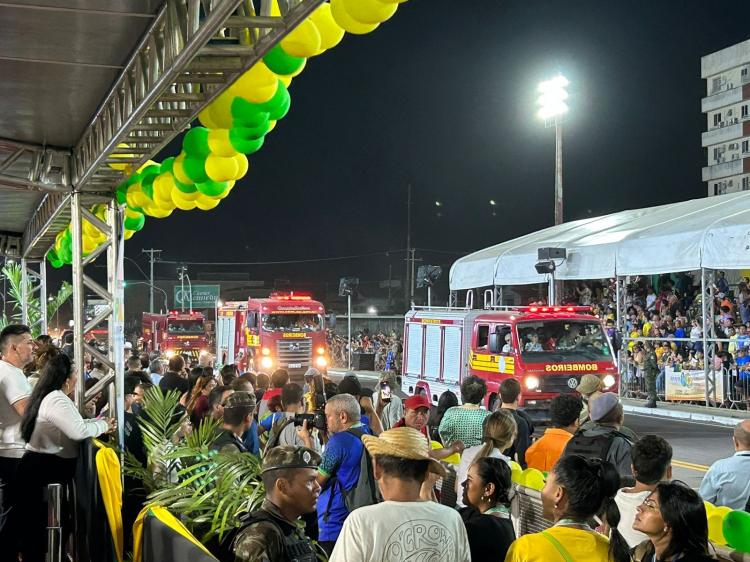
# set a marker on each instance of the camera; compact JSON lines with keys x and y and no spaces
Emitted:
{"x":315,"y":419}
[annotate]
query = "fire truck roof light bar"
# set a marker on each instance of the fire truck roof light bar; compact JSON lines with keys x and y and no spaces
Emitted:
{"x":291,"y":296}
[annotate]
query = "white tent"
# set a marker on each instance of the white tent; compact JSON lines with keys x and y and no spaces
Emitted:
{"x":712,"y":232}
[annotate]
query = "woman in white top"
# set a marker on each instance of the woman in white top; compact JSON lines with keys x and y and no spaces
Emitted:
{"x":498,"y":433}
{"x":52,"y":429}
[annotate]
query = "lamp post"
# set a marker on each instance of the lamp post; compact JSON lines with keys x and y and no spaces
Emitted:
{"x":552,"y":107}
{"x":217,"y":305}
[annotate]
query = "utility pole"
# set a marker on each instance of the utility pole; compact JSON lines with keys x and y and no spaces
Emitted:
{"x":409,"y":268}
{"x":181,"y":271}
{"x":411,"y":290}
{"x":151,"y":252}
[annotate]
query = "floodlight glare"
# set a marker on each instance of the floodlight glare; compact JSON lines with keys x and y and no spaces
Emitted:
{"x":552,"y":96}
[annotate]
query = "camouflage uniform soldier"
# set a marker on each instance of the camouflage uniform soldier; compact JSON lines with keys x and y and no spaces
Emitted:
{"x":651,"y":369}
{"x":275,"y":533}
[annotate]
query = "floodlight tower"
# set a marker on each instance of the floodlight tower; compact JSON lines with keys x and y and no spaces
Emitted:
{"x":552,"y":107}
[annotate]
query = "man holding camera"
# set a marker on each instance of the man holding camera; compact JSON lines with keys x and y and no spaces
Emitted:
{"x":274,"y":533}
{"x":295,"y":427}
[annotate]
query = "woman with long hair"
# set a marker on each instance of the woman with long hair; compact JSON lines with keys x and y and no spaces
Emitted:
{"x":197,"y":406}
{"x":487,"y":515}
{"x":447,"y":400}
{"x":498,"y":433}
{"x":673,"y":517}
{"x":576,"y":490}
{"x":52,"y":429}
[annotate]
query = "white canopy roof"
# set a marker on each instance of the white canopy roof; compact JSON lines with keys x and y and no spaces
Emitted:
{"x":712,"y":232}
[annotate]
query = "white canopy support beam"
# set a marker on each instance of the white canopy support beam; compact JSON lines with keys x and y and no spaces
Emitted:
{"x":34,"y":281}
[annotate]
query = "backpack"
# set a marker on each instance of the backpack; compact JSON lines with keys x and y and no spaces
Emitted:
{"x":276,"y":429}
{"x":365,"y":491}
{"x":592,"y":446}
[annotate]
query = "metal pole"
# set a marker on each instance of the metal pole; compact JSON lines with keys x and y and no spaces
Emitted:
{"x":54,"y":524}
{"x":558,"y":174}
{"x":411,"y":292}
{"x":349,"y":328}
{"x":551,"y":289}
{"x":190,"y":292}
{"x":78,"y":299}
{"x":43,"y":320}
{"x":429,"y":296}
{"x":407,"y":284}
{"x":115,"y":281}
{"x":151,"y":281}
{"x":24,"y":293}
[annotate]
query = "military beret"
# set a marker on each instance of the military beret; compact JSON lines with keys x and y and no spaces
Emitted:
{"x":289,"y":456}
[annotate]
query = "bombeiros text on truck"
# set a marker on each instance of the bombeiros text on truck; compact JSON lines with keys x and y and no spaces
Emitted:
{"x":283,"y":331}
{"x":546,"y":348}
{"x":175,"y":333}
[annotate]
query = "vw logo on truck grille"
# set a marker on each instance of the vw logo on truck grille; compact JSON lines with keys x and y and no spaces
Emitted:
{"x":572,"y":382}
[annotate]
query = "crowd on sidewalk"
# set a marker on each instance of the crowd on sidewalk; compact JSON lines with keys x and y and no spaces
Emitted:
{"x":375,"y":475}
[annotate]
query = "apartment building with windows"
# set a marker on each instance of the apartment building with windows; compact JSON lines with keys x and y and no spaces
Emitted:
{"x":727,"y":106}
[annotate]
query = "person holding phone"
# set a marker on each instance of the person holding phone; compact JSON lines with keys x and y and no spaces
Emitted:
{"x":388,"y":404}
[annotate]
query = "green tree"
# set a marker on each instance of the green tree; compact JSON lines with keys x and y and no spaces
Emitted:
{"x":12,"y":272}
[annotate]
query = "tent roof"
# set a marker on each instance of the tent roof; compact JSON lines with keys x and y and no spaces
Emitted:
{"x":710,"y":232}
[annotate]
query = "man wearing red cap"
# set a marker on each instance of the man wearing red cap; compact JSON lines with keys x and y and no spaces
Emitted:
{"x":416,"y":413}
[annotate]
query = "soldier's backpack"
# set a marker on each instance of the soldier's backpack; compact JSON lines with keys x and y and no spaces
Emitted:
{"x":592,"y":446}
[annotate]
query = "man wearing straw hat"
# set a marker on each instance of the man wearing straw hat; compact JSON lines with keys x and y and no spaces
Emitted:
{"x":402,"y":527}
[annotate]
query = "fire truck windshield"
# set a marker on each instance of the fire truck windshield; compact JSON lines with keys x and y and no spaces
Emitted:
{"x":185,"y":327}
{"x":292,"y":322}
{"x":573,"y":339}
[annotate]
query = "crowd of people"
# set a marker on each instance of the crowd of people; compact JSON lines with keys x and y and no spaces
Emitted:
{"x":386,"y":349}
{"x":669,"y":313}
{"x":353,"y":473}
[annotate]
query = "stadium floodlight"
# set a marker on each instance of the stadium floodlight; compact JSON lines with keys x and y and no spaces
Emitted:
{"x":552,"y":96}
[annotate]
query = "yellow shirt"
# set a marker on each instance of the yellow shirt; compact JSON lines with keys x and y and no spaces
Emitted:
{"x":582,"y":546}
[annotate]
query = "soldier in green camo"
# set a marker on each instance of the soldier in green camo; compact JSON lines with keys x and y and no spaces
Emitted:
{"x":275,"y":533}
{"x":651,"y":371}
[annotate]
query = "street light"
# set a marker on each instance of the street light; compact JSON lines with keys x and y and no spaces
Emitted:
{"x":493,"y":207}
{"x":552,"y":107}
{"x":372,"y":310}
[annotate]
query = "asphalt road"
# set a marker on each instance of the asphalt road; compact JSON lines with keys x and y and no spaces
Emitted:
{"x":695,"y":445}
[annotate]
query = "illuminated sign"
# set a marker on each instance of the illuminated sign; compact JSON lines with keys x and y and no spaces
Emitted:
{"x":575,"y":367}
{"x":294,"y":335}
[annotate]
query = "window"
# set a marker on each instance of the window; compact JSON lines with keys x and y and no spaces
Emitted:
{"x":745,"y":146}
{"x":743,"y":111}
{"x":717,"y":119}
{"x":743,"y":72}
{"x":716,"y":85}
{"x":718,"y":154}
{"x":745,"y":183}
{"x":506,"y":342}
{"x":717,"y":187}
{"x":483,"y":331}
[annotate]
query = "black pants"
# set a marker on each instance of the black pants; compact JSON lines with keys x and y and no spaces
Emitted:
{"x":327,"y":546}
{"x":35,"y":472}
{"x":8,"y":534}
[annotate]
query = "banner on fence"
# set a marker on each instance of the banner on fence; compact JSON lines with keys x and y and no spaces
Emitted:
{"x":690,"y":385}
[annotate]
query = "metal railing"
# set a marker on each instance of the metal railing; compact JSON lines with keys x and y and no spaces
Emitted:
{"x":54,"y":522}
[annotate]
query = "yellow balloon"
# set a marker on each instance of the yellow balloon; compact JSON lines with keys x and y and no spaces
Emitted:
{"x":128,"y":234}
{"x":192,"y":196}
{"x":303,"y":41}
{"x":147,"y":164}
{"x":88,"y":244}
{"x":392,"y":1}
{"x":348,"y":23}
{"x":221,"y":169}
{"x":124,"y":166}
{"x":227,"y":191}
{"x":181,"y":203}
{"x":716,"y":525}
{"x":257,"y":85}
{"x":331,"y":33}
{"x":220,"y":110}
{"x":157,"y":211}
{"x":369,"y":11}
{"x":206,"y":203}
{"x":132,"y":213}
{"x":135,"y":196}
{"x":271,"y":126}
{"x":163,"y":186}
{"x":242,"y":166}
{"x":286,"y":79}
{"x":532,"y":478}
{"x":179,"y":172}
{"x":218,"y":142}
{"x":207,"y":119}
{"x":515,"y":472}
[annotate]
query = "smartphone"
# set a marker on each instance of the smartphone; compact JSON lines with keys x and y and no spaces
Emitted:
{"x":385,"y":392}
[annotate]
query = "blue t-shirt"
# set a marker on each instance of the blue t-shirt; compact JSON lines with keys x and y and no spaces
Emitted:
{"x":341,"y":459}
{"x":250,"y":439}
{"x":267,"y":422}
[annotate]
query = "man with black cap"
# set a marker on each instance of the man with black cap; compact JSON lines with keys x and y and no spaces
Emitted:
{"x":275,"y":533}
{"x":238,"y":417}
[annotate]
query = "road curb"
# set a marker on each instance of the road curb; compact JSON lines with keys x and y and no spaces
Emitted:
{"x":682,"y":414}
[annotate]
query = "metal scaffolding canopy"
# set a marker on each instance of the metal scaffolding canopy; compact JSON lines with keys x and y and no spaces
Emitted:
{"x":80,"y":77}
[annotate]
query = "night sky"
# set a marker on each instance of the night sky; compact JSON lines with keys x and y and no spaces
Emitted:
{"x":443,"y":96}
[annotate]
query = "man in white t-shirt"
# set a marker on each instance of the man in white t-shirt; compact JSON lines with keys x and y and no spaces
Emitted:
{"x":652,"y":463}
{"x":17,"y":350}
{"x":402,"y":527}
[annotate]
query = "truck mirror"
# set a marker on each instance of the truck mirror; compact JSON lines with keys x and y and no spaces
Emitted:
{"x":332,"y":320}
{"x":252,"y":320}
{"x":494,"y":345}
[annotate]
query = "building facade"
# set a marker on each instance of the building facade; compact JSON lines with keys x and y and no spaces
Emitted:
{"x":726,"y":106}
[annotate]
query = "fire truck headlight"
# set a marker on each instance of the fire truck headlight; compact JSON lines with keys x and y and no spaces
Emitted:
{"x":266,"y":362}
{"x":321,"y":362}
{"x":321,"y":350}
{"x":170,"y":354}
{"x":265,"y":351}
{"x":609,"y":381}
{"x":532,"y":383}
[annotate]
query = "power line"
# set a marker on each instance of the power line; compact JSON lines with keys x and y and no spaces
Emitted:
{"x":281,"y":262}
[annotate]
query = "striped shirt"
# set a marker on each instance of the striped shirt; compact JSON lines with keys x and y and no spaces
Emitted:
{"x":463,"y":423}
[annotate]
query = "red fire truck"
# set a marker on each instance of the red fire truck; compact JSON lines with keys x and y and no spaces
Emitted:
{"x":284,"y":331}
{"x":547,"y":349}
{"x":175,"y":333}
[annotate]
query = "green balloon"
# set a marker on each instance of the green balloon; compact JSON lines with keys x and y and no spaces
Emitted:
{"x":66,"y":254}
{"x":736,"y":529}
{"x":152,"y":170}
{"x":248,"y":133}
{"x":280,"y":62}
{"x":195,"y":143}
{"x":280,"y":111}
{"x":184,"y":187}
{"x":245,"y":145}
{"x":147,"y":185}
{"x":246,"y":114}
{"x":279,"y":104}
{"x":212,"y":188}
{"x":135,"y":223}
{"x":167,"y":165}
{"x":195,"y":168}
{"x":120,"y":195}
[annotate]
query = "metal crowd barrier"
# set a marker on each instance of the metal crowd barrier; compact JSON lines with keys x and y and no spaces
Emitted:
{"x":54,"y":522}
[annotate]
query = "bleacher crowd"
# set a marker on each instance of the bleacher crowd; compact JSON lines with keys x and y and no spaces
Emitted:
{"x":370,"y":474}
{"x":386,"y":349}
